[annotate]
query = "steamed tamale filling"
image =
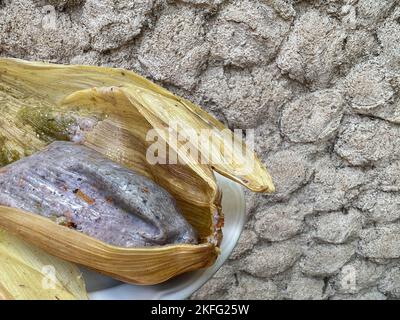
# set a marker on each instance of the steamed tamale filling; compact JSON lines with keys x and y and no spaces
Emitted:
{"x":79,"y":188}
{"x":47,"y":124}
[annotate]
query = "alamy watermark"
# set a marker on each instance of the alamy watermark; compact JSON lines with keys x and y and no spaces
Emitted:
{"x":49,"y":280}
{"x":349,"y":279}
{"x":175,"y":144}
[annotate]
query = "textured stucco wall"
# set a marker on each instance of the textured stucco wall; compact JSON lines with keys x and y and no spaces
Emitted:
{"x":319,"y":81}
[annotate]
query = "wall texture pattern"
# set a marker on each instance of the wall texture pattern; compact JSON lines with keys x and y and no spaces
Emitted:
{"x":319,"y":81}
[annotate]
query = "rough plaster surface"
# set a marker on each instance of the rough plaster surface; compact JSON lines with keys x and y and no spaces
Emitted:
{"x":319,"y":81}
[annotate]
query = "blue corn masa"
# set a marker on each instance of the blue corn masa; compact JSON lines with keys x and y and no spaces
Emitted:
{"x":81,"y":189}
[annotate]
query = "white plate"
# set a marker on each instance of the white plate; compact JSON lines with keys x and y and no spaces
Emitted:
{"x":104,"y":288}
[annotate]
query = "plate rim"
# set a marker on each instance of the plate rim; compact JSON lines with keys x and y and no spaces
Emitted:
{"x":178,"y":290}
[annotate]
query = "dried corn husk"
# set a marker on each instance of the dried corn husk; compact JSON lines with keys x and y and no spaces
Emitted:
{"x":127,"y":106}
{"x":25,"y":273}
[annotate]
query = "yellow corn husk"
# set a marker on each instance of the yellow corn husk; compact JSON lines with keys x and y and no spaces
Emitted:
{"x":23,"y":273}
{"x":128,"y":106}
